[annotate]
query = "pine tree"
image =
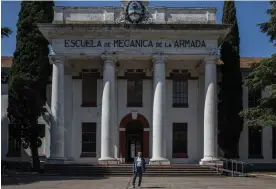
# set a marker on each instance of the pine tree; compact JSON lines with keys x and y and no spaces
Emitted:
{"x":29,"y":75}
{"x":264,"y":75}
{"x":269,"y":27}
{"x":5,"y":32}
{"x":230,"y":124}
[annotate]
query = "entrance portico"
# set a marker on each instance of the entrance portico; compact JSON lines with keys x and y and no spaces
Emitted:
{"x":111,"y":58}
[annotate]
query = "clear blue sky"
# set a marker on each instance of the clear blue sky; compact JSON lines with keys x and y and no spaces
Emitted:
{"x":253,"y":42}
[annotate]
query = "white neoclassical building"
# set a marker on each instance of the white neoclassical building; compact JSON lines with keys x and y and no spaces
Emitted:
{"x":119,"y":87}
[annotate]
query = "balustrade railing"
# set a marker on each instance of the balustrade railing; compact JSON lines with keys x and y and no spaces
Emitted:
{"x":229,"y":166}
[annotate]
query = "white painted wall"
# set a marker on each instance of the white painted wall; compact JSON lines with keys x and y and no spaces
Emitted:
{"x":4,"y":120}
{"x":193,"y":115}
{"x":183,"y":115}
{"x":83,"y":114}
{"x":75,"y":115}
{"x":173,"y":115}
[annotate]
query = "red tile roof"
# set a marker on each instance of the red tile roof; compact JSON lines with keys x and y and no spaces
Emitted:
{"x":6,"y":61}
{"x":246,"y":61}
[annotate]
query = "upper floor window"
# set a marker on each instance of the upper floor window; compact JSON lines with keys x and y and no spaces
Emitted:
{"x":254,"y":98}
{"x":134,"y":90}
{"x":180,"y":90}
{"x":89,"y":89}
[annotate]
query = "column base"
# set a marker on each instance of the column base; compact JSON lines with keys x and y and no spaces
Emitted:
{"x":108,"y":161}
{"x":209,"y":161}
{"x":159,"y":161}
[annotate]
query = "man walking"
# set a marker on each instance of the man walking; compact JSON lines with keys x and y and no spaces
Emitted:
{"x":139,"y":167}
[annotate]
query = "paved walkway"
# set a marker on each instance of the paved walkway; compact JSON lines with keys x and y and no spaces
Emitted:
{"x":148,"y":182}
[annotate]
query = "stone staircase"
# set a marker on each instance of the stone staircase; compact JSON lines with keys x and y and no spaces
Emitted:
{"x":126,"y":170}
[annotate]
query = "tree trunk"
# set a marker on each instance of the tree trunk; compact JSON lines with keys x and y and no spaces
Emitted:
{"x":232,"y":150}
{"x":35,"y":157}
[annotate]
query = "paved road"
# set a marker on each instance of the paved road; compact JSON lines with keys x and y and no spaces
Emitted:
{"x":148,"y":182}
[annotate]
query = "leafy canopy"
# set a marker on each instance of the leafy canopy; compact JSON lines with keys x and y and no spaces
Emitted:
{"x":5,"y":32}
{"x":263,"y":77}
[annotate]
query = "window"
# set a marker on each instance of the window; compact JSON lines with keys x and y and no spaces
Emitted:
{"x":4,"y":75}
{"x":89,"y":139}
{"x":134,"y":90}
{"x":180,"y":90}
{"x":255,"y":142}
{"x":274,"y":142}
{"x":14,"y":143}
{"x":253,"y":98}
{"x":180,"y":140}
{"x":89,"y":89}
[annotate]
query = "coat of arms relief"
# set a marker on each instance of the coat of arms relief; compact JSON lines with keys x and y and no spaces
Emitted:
{"x":134,"y":13}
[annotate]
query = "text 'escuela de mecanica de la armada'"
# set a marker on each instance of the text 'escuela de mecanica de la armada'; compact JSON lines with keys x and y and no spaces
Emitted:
{"x":125,"y":43}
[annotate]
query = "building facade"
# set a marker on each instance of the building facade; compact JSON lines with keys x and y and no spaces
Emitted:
{"x":136,"y":78}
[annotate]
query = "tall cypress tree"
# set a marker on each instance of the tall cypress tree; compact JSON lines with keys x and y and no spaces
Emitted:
{"x":29,"y":75}
{"x":230,"y":124}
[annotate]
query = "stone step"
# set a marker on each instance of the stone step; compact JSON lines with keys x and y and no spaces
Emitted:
{"x":126,"y":170}
{"x":145,"y":174}
{"x":148,"y":171}
{"x":127,"y":165}
{"x":123,"y":168}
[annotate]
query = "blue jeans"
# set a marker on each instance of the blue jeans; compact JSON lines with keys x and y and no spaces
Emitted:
{"x":139,"y":172}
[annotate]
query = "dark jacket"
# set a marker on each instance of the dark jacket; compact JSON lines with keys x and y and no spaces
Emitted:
{"x":135,"y":164}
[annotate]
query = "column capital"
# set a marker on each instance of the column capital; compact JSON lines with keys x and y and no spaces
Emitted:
{"x":109,"y":57}
{"x":211,"y":59}
{"x":212,"y":56}
{"x":213,"y":51}
{"x":159,"y":58}
{"x":57,"y":59}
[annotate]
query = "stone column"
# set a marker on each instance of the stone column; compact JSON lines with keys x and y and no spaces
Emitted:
{"x":267,"y":137}
{"x":57,"y":109}
{"x":115,"y":125}
{"x":159,"y":105}
{"x":108,"y":97}
{"x":210,"y":116}
{"x":68,"y":117}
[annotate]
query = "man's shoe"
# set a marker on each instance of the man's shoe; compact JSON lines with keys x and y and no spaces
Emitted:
{"x":139,"y":187}
{"x":133,"y":187}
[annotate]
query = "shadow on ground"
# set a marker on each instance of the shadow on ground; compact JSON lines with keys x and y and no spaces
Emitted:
{"x":16,"y":180}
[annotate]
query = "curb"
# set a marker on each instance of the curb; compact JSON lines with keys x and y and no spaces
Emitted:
{"x":264,"y":175}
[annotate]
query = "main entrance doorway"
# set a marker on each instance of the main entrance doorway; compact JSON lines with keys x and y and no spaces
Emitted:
{"x":134,"y":139}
